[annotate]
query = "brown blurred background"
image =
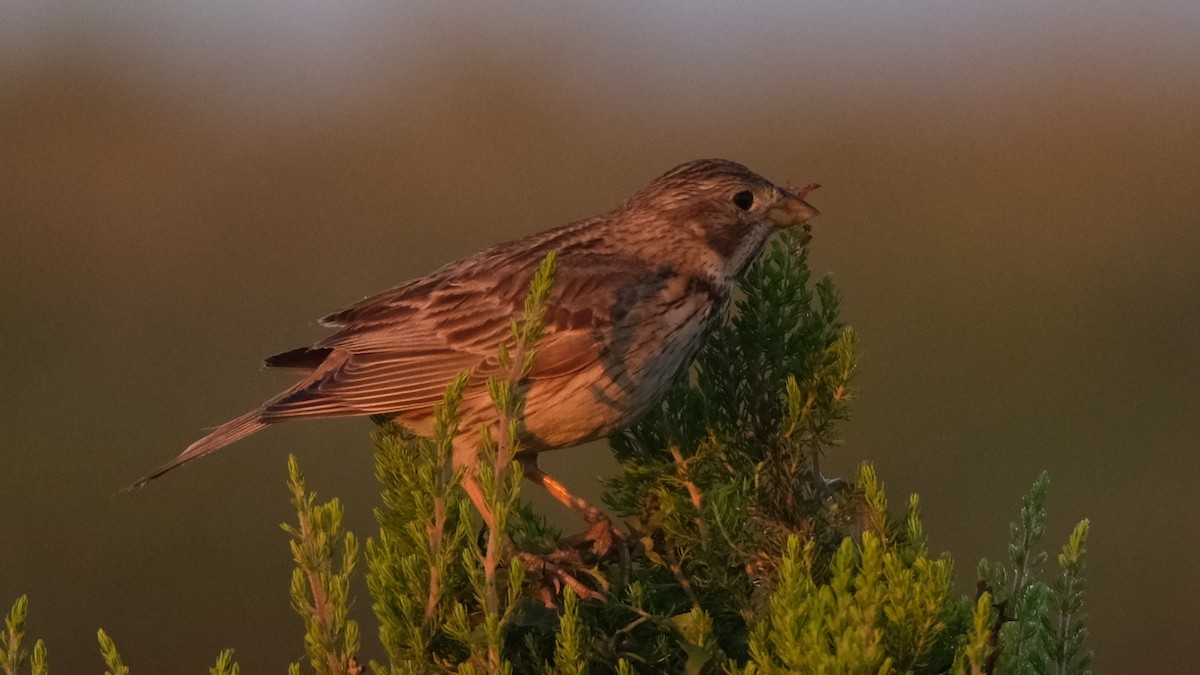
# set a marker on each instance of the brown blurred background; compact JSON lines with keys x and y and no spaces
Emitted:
{"x":1011,"y":204}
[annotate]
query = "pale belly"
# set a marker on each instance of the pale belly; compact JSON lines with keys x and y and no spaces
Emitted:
{"x":599,"y":401}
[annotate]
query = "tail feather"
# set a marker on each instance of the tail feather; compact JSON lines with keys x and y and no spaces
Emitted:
{"x":233,"y":430}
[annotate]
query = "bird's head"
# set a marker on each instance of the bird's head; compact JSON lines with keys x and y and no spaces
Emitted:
{"x":731,"y":208}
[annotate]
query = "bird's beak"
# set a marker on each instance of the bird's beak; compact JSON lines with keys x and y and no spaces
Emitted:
{"x":790,"y":210}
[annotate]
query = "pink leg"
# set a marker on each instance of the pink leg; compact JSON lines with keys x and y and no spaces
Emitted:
{"x":602,"y":534}
{"x":533,"y":472}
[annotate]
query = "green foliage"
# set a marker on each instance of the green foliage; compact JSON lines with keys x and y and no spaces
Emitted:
{"x":13,"y":657}
{"x":321,"y":594}
{"x":500,"y":475}
{"x":112,"y":659}
{"x":225,"y":664}
{"x":743,"y":558}
{"x":876,"y":607}
{"x":746,"y":428}
{"x":571,"y":643}
{"x":446,"y":599}
{"x":414,"y":565}
{"x":1067,"y":653}
{"x":975,"y":646}
{"x":12,"y":654}
{"x":1040,"y":628}
{"x":720,"y":476}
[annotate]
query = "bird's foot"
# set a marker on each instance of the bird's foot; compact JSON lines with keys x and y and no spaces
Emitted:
{"x":577,"y":560}
{"x":557,"y":570}
{"x":602,"y":537}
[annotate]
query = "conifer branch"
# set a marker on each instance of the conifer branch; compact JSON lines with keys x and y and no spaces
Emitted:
{"x":1068,"y":654}
{"x":499,"y":474}
{"x":11,"y":654}
{"x":974,"y":655}
{"x":693,"y":492}
{"x":321,"y":595}
{"x":225,"y":664}
{"x":570,"y":644}
{"x":112,"y":659}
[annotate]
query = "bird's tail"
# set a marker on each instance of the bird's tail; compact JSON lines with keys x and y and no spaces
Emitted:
{"x":223,"y":435}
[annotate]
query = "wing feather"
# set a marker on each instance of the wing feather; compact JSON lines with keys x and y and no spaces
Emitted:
{"x":397,"y":351}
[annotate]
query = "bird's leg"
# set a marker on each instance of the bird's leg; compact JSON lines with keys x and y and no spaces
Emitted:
{"x":551,"y":567}
{"x":601,"y":533}
{"x":529,"y":465}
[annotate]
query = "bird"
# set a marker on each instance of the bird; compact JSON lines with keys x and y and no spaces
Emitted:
{"x":635,"y":293}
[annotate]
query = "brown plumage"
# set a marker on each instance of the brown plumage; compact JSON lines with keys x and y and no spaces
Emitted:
{"x":636,"y":291}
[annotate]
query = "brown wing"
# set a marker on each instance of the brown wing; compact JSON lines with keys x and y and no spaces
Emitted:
{"x":398,"y":355}
{"x":398,"y":350}
{"x":503,"y":271}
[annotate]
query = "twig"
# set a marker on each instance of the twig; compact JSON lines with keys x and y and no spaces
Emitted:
{"x":694,"y":492}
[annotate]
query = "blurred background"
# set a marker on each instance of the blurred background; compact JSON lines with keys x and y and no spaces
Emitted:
{"x":1010,"y":206}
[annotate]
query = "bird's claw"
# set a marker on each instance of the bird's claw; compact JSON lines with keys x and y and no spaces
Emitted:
{"x":552,"y":568}
{"x":602,"y":536}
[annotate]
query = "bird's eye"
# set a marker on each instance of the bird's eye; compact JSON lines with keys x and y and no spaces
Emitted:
{"x":744,"y":200}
